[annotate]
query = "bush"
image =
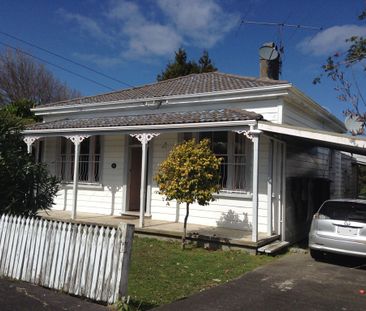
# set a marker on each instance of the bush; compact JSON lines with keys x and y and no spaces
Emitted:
{"x":25,"y":186}
{"x":191,"y":173}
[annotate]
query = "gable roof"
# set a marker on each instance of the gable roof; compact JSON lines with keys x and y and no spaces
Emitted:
{"x":186,"y":85}
{"x":167,"y":118}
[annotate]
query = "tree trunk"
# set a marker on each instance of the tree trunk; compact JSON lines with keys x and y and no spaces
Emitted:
{"x":185,"y":226}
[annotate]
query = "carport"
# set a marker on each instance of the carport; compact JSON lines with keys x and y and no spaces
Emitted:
{"x":341,"y":142}
{"x":312,"y":187}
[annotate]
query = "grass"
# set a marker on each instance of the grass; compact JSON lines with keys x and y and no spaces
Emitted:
{"x":161,"y":272}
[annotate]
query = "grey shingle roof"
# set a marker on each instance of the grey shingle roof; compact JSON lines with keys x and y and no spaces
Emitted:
{"x":151,"y":119}
{"x":191,"y":84}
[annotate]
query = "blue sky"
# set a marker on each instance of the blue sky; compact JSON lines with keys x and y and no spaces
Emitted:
{"x":133,"y":40}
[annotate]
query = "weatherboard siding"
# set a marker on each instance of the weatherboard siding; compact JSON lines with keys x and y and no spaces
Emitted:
{"x":105,"y":198}
{"x":226,"y":211}
{"x":307,"y":161}
{"x":267,"y":108}
{"x":302,"y":117}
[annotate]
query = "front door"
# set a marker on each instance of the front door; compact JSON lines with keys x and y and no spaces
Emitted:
{"x":134,"y":178}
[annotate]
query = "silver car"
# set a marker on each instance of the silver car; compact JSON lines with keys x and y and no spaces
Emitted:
{"x":339,"y":227}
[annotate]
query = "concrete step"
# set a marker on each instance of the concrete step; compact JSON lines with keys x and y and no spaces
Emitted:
{"x":273,"y":247}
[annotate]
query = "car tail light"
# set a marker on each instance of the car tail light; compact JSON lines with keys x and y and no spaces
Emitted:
{"x":320,"y":216}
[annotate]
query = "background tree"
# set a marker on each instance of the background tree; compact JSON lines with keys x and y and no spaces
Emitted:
{"x":340,"y":69}
{"x":23,"y":78}
{"x":191,"y":173}
{"x":26,"y":186}
{"x":21,"y":109}
{"x":205,"y":63}
{"x":181,"y":67}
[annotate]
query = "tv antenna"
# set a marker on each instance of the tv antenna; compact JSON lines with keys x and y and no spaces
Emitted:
{"x":280,"y":27}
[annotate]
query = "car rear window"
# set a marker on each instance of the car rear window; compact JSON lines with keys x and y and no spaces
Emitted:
{"x":344,"y":211}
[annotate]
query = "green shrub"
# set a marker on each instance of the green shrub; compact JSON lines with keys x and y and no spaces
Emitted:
{"x":25,"y":186}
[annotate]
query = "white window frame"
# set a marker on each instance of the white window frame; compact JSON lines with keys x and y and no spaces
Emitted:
{"x":66,"y":162}
{"x":228,"y":190}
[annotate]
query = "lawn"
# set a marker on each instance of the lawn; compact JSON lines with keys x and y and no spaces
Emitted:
{"x":161,"y":272}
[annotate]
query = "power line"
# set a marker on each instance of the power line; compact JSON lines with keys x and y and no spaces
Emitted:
{"x":64,"y":58}
{"x":57,"y":66}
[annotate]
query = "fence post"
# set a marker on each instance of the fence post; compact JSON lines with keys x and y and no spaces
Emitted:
{"x":125,"y":256}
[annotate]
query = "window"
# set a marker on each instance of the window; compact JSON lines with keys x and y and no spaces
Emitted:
{"x":338,"y":210}
{"x":233,"y":149}
{"x":89,"y":160}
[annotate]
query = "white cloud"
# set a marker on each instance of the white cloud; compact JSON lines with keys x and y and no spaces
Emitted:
{"x":144,"y":37}
{"x":152,"y":39}
{"x":155,"y":29}
{"x":331,"y":40}
{"x":124,"y":10}
{"x":203,"y":21}
{"x":86,"y":25}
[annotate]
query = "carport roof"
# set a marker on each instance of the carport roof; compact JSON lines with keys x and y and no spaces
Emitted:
{"x":338,"y":141}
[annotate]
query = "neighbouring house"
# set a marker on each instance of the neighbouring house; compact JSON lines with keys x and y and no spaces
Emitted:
{"x":283,"y":153}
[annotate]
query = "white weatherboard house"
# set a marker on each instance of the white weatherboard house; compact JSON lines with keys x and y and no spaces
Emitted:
{"x":281,"y":151}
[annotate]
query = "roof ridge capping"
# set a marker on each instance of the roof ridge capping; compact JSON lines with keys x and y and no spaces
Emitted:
{"x":196,"y":83}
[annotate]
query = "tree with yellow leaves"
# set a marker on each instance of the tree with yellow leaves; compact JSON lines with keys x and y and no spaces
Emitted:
{"x":191,"y":173}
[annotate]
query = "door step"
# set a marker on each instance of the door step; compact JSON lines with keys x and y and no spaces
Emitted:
{"x":273,"y":247}
{"x":131,"y":215}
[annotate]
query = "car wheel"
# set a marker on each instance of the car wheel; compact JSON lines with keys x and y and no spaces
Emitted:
{"x":315,"y":254}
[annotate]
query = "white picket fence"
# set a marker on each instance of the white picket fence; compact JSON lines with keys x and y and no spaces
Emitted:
{"x":83,"y":260}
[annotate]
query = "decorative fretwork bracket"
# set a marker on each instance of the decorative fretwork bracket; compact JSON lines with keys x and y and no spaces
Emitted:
{"x":29,"y":140}
{"x":77,"y":139}
{"x":249,"y":133}
{"x":246,"y":133}
{"x":144,"y":138}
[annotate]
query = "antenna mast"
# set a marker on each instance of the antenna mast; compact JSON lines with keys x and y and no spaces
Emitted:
{"x":280,"y":28}
{"x":298,"y":26}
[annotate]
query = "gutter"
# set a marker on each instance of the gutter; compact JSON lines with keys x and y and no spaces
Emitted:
{"x":142,"y":128}
{"x":168,"y":105}
{"x":143,"y":101}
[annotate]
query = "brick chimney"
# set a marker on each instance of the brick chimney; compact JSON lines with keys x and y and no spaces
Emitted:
{"x":269,"y":61}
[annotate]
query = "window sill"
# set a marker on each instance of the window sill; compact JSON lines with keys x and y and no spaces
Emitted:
{"x":227,"y":194}
{"x":83,"y":186}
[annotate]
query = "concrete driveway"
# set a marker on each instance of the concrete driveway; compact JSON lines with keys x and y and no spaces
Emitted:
{"x":294,"y":282}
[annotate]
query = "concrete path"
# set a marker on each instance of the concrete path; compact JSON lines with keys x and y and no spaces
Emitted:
{"x":16,"y":295}
{"x":294,"y":282}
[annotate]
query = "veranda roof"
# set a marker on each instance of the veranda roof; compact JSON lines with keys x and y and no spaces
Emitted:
{"x":161,"y":120}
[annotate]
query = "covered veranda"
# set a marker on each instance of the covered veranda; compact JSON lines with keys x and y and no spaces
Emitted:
{"x":145,"y":128}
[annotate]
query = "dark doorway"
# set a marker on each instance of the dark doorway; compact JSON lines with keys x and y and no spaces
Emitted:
{"x":134,"y":178}
{"x":304,"y":196}
{"x":321,"y":192}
